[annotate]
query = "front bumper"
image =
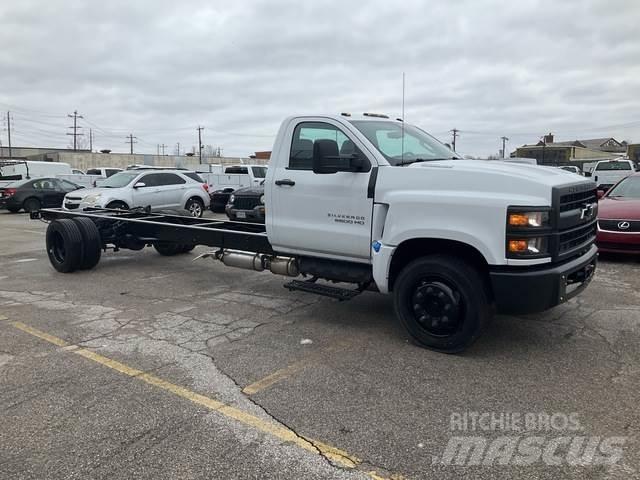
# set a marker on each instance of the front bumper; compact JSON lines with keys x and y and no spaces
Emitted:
{"x":519,"y":290}
{"x":618,"y":242}
{"x":255,"y":215}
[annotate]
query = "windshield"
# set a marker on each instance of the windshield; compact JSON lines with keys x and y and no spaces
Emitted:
{"x":613,"y":166}
{"x":629,"y":188}
{"x":119,"y":179}
{"x":401,"y":146}
{"x":259,"y":172}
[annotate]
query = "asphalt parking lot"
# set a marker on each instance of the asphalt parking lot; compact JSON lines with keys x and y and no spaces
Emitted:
{"x":164,"y":367}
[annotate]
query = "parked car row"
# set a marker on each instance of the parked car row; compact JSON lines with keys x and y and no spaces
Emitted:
{"x":160,"y":190}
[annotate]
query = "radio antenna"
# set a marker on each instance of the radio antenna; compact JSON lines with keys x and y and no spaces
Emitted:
{"x":402,"y":117}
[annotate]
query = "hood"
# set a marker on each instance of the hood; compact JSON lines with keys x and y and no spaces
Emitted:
{"x":250,"y":191}
{"x":548,"y":175}
{"x":619,"y":208}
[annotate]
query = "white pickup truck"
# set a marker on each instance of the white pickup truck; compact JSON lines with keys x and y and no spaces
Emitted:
{"x":381,"y":205}
{"x":609,"y":172}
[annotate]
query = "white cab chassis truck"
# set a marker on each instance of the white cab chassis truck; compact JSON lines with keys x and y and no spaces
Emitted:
{"x":368,"y":203}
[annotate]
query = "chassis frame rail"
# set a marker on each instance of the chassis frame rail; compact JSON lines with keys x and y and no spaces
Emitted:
{"x":122,"y":226}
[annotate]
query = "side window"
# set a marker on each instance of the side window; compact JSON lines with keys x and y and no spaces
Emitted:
{"x":150,"y":180}
{"x":93,"y":171}
{"x":301,"y":155}
{"x":170,"y":179}
{"x":44,"y":184}
{"x":68,"y":185}
{"x":110,"y":171}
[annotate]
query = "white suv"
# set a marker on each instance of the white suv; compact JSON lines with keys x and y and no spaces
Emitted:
{"x":161,"y":190}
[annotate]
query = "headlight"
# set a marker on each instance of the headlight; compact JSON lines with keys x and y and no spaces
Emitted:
{"x":262,"y":199}
{"x":92,"y":198}
{"x":527,"y":246}
{"x":232,"y":198}
{"x":528,"y":231}
{"x":528,"y":219}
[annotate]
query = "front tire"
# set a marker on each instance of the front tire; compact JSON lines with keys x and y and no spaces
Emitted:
{"x":117,"y":205}
{"x":443,"y":302}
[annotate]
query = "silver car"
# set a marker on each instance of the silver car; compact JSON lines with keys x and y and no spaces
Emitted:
{"x":157,"y":189}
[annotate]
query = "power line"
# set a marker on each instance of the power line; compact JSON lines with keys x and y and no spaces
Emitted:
{"x":455,"y":132}
{"x":130,"y":141}
{"x":75,"y":127}
{"x":504,"y":140}
{"x":200,"y":142}
{"x":9,"y":133}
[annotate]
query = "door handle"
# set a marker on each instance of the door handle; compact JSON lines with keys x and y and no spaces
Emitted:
{"x":285,"y":181}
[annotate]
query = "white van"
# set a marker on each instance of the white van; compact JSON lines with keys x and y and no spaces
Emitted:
{"x":14,"y":170}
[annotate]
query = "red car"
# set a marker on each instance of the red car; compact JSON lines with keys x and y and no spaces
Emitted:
{"x":619,"y":217}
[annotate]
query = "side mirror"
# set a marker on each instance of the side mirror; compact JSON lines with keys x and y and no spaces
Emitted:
{"x":327,"y":159}
{"x":140,"y":185}
{"x":600,"y":194}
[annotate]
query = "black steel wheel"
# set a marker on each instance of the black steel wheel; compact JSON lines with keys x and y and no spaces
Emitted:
{"x":64,"y":245}
{"x":91,"y":243}
{"x":195,"y":206}
{"x":31,"y":205}
{"x":443,"y":302}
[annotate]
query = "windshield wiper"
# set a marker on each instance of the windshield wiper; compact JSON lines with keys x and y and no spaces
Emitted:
{"x":418,"y":160}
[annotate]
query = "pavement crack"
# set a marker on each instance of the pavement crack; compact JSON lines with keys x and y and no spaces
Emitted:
{"x":322,"y":452}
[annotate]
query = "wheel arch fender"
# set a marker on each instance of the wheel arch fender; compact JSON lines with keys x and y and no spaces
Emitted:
{"x":390,"y":260}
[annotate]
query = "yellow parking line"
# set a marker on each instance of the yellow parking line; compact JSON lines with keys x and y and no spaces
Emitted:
{"x":295,"y":367}
{"x":274,"y":378}
{"x":334,"y":454}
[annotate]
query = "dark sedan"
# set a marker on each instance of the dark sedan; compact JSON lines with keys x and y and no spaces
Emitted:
{"x":246,"y":205}
{"x":619,"y":217}
{"x":34,"y":194}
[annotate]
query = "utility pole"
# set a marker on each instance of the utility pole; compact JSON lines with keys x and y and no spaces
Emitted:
{"x":130,"y":141}
{"x":91,"y":140}
{"x":158,"y":149}
{"x":178,"y":148}
{"x":163,"y":147}
{"x":75,"y":127}
{"x":504,"y":139}
{"x":455,"y":135}
{"x":9,"y":133}
{"x":200,"y":143}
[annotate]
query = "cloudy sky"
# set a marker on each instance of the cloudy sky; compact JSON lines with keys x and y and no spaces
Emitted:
{"x":158,"y":69}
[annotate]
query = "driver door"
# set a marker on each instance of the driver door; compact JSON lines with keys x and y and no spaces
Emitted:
{"x":321,"y":214}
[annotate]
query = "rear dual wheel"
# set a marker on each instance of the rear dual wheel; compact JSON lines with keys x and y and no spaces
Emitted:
{"x":73,"y":244}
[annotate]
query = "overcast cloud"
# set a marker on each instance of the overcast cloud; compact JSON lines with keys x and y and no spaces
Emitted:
{"x":158,"y":68}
